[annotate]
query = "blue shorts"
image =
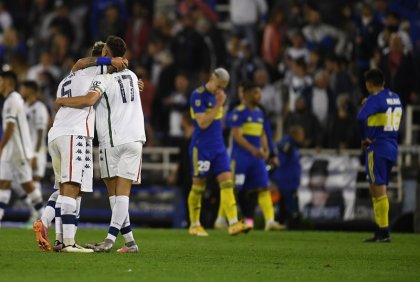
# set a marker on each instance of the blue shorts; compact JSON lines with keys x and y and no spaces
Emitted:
{"x":249,"y":173}
{"x":378,"y":169}
{"x":205,"y":161}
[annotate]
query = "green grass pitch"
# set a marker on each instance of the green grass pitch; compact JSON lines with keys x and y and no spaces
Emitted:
{"x":173,"y":255}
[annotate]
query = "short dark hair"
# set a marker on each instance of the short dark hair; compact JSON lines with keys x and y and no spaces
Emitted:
{"x":31,"y":84}
{"x":11,"y":75}
{"x":375,"y":76}
{"x":248,"y":86}
{"x":116,"y":45}
{"x":97,"y":49}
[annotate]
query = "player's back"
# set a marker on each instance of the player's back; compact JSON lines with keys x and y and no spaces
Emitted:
{"x":383,"y":122}
{"x":251,"y":123}
{"x":71,"y":121}
{"x":119,"y":114}
{"x":38,"y":118}
{"x":20,"y":145}
{"x":202,"y":101}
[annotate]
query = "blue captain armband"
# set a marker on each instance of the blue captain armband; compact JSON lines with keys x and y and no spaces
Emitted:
{"x":103,"y":61}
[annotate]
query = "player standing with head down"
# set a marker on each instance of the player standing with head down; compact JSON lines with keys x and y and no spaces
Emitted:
{"x":379,"y":120}
{"x":16,"y":150}
{"x":208,"y":153}
{"x":121,"y":135}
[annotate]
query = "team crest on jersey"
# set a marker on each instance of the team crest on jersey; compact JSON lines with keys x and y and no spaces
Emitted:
{"x":197,"y":103}
{"x":235,"y":117}
{"x":210,"y":104}
{"x":249,"y":118}
{"x":96,"y":83}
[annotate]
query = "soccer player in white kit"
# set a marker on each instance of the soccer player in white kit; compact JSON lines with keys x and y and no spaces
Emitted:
{"x":16,"y":150}
{"x":121,"y":135}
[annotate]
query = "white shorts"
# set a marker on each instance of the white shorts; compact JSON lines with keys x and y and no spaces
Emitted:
{"x":42,"y":164}
{"x":123,"y":161}
{"x":17,"y":170}
{"x":72,"y":160}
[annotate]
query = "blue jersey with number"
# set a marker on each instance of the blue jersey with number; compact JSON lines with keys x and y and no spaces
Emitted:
{"x":252,"y":124}
{"x":202,"y":101}
{"x":379,"y":120}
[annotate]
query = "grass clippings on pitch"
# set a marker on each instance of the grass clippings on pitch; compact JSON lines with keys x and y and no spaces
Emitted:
{"x":173,"y":255}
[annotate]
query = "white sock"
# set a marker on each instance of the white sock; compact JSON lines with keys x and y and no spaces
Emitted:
{"x":49,"y":211}
{"x":233,"y":221}
{"x":78,"y":202}
{"x":68,"y":217}
{"x":126,"y":230}
{"x":119,"y":214}
{"x":195,"y":224}
{"x":221,"y":220}
{"x":36,"y":199}
{"x":4,"y":201}
{"x":58,"y":222}
{"x":112,"y":201}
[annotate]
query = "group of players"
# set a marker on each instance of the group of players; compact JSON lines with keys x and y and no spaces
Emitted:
{"x":102,"y":87}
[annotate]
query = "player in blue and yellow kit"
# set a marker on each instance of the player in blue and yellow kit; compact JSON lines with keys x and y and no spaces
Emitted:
{"x":379,"y":120}
{"x":208,"y":153}
{"x":249,"y":153}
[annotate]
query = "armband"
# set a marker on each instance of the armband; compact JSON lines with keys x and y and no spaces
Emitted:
{"x":103,"y":61}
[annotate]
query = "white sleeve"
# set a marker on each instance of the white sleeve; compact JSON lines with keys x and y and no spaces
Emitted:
{"x":102,"y":69}
{"x":41,"y":118}
{"x":11,"y":109}
{"x":100,"y":83}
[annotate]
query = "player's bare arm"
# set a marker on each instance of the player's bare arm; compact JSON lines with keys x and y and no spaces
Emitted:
{"x":117,"y":62}
{"x":240,"y":139}
{"x":8,"y":132}
{"x":205,"y":119}
{"x":79,"y":102}
{"x":265,"y":148}
{"x":141,"y":85}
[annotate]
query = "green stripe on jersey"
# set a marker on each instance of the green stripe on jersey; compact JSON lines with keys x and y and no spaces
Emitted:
{"x":109,"y":119}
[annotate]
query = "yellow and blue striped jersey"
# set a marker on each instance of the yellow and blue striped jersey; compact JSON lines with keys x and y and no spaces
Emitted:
{"x":252,"y":124}
{"x":379,"y":120}
{"x":202,"y":101}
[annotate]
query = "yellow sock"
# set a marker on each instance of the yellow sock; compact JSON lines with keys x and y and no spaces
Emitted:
{"x":381,"y":208}
{"x":374,"y":210}
{"x":227,"y":201}
{"x":221,"y":212}
{"x":194,"y":203}
{"x":266,"y":205}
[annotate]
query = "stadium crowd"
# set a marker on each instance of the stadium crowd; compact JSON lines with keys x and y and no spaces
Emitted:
{"x":308,"y":56}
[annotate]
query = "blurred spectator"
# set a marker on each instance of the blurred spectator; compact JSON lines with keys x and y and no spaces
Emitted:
{"x":307,"y":120}
{"x":97,"y":13}
{"x":244,"y":66}
{"x":368,"y":28}
{"x":213,"y":37}
{"x":244,"y":15}
{"x":156,"y":59}
{"x":45,"y":64}
{"x":399,"y":71}
{"x":111,"y":24}
{"x":340,"y":80}
{"x":296,"y":18}
{"x":187,"y":6}
{"x":320,"y":97}
{"x":177,"y":104}
{"x":270,"y":98}
{"x":274,"y":37}
{"x":11,"y":46}
{"x":320,"y":35}
{"x":297,"y":50}
{"x":392,"y":25}
{"x":189,"y":50}
{"x":348,"y":26}
{"x":342,"y":130}
{"x":299,"y":84}
{"x":57,"y":21}
{"x":138,"y":31}
{"x":6,"y":20}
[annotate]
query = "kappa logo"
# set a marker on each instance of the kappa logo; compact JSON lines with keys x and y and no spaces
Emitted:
{"x":80,"y":144}
{"x":79,"y":151}
{"x":87,"y":166}
{"x":87,"y":159}
{"x":197,"y":103}
{"x":79,"y":159}
{"x":79,"y":137}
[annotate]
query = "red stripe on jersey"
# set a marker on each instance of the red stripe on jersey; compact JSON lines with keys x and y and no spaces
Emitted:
{"x":71,"y":159}
{"x":139,"y":173}
{"x":87,"y":124}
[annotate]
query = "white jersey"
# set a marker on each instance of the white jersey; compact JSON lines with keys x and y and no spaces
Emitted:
{"x":71,"y":121}
{"x":38,"y":117}
{"x":119,"y":112}
{"x":19,"y":146}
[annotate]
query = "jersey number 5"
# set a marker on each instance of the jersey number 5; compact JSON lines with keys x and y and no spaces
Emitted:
{"x":393,"y":119}
{"x":64,"y":92}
